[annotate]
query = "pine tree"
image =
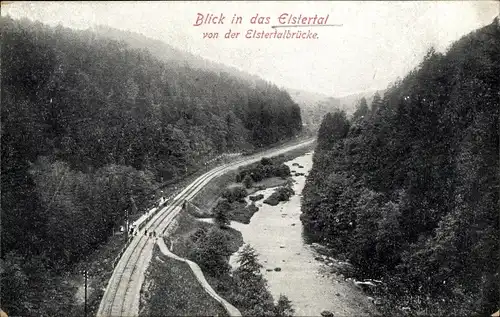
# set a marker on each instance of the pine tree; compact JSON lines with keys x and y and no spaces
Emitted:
{"x":248,"y":262}
{"x":284,"y":307}
{"x":376,"y":103}
{"x":361,"y":109}
{"x":253,"y":297}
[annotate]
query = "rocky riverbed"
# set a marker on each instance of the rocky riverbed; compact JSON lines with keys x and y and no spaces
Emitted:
{"x":313,"y":281}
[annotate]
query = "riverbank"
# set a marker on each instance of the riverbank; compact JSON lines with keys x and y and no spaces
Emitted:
{"x":207,"y":198}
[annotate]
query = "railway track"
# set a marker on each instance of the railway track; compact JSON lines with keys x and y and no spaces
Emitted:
{"x":121,"y":297}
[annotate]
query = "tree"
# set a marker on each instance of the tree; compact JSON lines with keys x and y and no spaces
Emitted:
{"x":334,"y":127}
{"x":282,"y":170}
{"x":376,"y":103}
{"x":388,"y":237}
{"x":284,"y":307}
{"x":361,"y":109}
{"x":253,"y":295}
{"x":249,"y":265}
{"x":247,"y":181}
{"x":266,"y":161}
{"x":210,"y":253}
{"x":221,"y":213}
{"x":233,"y":194}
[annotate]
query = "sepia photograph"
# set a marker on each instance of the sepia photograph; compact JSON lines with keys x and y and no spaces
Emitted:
{"x":250,"y":158}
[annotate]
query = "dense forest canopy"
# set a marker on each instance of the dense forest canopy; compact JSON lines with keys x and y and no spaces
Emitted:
{"x":170,"y":54}
{"x":408,"y":190}
{"x":88,"y":122}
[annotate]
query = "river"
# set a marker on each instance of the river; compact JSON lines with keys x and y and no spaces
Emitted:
{"x":276,"y":233}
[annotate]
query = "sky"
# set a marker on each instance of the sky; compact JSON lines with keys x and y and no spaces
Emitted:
{"x":376,"y":43}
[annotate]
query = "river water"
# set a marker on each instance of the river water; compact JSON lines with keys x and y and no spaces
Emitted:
{"x":276,"y":233}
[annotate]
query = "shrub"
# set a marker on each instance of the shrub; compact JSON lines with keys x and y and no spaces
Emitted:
{"x":234,"y":194}
{"x":266,"y":161}
{"x":256,"y":197}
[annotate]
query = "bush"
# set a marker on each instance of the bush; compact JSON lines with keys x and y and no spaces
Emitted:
{"x":210,"y":252}
{"x":272,"y":200}
{"x":282,"y":171}
{"x":234,"y":194}
{"x":260,"y":171}
{"x":256,"y":197}
{"x":252,"y":208}
{"x":281,"y":194}
{"x":266,"y":161}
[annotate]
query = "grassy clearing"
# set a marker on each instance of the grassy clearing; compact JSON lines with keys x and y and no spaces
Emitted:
{"x":271,"y":182}
{"x":173,"y":290}
{"x":267,"y":183}
{"x":263,"y":184}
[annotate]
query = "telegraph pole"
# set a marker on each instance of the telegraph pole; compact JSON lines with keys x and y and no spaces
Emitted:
{"x":126,"y":222}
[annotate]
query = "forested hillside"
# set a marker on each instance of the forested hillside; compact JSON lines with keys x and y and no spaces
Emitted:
{"x":408,"y":190}
{"x":88,"y":122}
{"x":313,"y":105}
{"x":170,"y":54}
